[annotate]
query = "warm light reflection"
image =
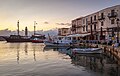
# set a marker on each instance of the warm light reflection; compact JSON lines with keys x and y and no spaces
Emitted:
{"x":22,"y":52}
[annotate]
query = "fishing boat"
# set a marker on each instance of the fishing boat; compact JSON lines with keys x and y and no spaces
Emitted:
{"x":54,"y":44}
{"x":86,"y":50}
{"x":18,"y":37}
{"x":62,"y":41}
{"x":59,"y":41}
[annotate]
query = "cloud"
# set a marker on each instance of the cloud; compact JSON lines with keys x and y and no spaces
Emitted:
{"x":46,"y":22}
{"x":68,"y":24}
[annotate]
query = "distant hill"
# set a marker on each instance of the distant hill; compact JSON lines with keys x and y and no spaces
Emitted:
{"x":7,"y":32}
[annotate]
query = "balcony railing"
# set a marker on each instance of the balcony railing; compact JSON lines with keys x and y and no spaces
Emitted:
{"x":102,"y":17}
{"x":112,"y":15}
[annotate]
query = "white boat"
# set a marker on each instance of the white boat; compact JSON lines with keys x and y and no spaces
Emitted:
{"x":47,"y":43}
{"x":59,"y":42}
{"x":63,"y":40}
{"x":87,"y":50}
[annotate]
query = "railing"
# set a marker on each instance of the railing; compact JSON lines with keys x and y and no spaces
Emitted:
{"x":112,"y":15}
{"x":102,"y":17}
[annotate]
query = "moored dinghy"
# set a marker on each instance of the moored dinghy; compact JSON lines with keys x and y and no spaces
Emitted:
{"x":87,"y":50}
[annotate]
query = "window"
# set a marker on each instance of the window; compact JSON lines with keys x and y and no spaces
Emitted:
{"x":91,"y":27}
{"x":69,"y":38}
{"x":112,"y":11}
{"x":95,"y":17}
{"x":59,"y":31}
{"x":74,"y":38}
{"x":65,"y":32}
{"x":86,"y":21}
{"x":102,"y":14}
{"x":77,"y":23}
{"x":78,"y":38}
{"x":86,"y":27}
{"x":102,"y":23}
{"x":94,"y":26}
{"x":83,"y":28}
{"x":91,"y":20}
{"x":83,"y":21}
{"x":112,"y":21}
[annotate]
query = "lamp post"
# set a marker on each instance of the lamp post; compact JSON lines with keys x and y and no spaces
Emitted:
{"x":117,"y":30}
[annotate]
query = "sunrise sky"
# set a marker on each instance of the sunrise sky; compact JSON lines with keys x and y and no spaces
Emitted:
{"x":48,"y":14}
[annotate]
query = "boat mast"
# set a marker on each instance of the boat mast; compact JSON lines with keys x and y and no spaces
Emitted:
{"x":18,"y":27}
{"x":34,"y":27}
{"x":26,"y":31}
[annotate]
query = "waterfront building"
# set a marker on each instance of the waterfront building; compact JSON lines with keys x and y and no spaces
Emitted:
{"x":77,"y":26}
{"x":102,"y":25}
{"x":90,"y":25}
{"x":108,"y":24}
{"x":63,"y":31}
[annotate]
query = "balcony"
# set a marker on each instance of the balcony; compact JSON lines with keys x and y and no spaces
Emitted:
{"x":102,"y":17}
{"x":112,"y":15}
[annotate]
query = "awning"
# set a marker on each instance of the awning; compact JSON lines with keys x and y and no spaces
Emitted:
{"x":79,"y":35}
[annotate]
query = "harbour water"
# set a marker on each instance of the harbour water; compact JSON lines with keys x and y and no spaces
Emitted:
{"x":31,"y":59}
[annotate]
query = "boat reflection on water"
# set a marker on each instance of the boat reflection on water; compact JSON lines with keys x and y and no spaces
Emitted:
{"x":62,"y":50}
{"x":91,"y":62}
{"x":26,"y":50}
{"x":97,"y":63}
{"x":18,"y":57}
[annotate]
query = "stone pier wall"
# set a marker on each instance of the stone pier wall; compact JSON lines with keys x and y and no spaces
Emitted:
{"x":108,"y":50}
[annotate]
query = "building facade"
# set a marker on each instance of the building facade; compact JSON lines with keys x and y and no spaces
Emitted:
{"x":77,"y":26}
{"x":102,"y":25}
{"x":63,"y":31}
